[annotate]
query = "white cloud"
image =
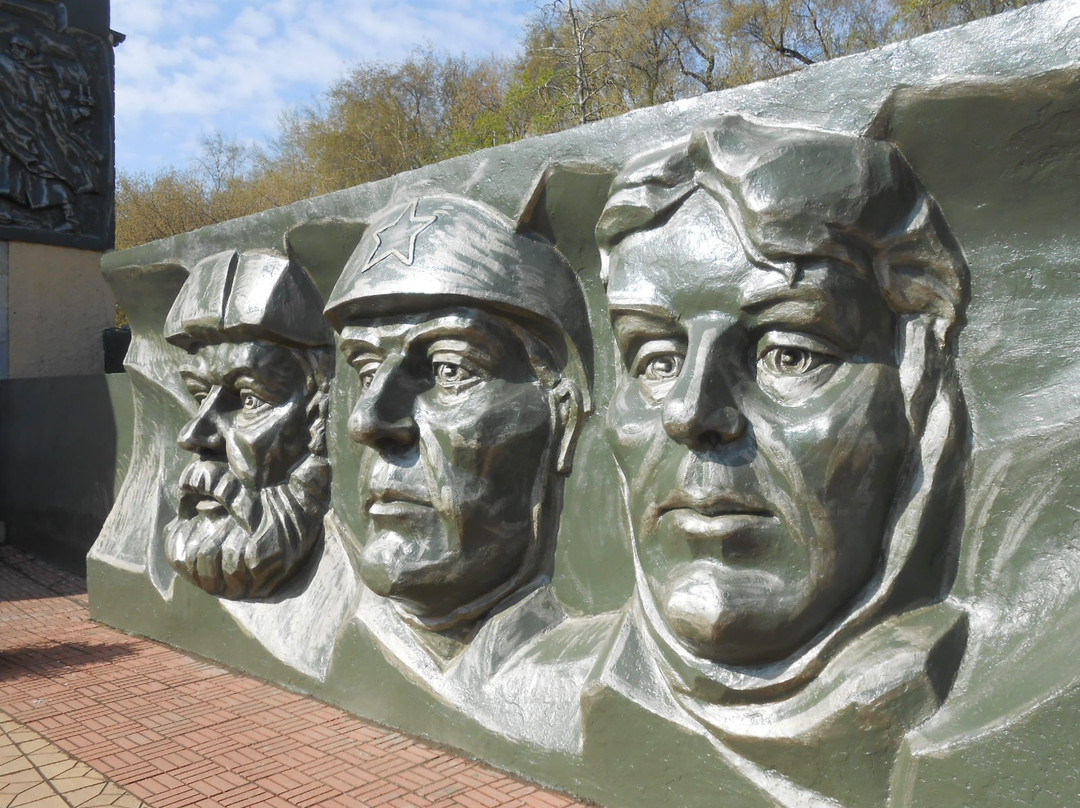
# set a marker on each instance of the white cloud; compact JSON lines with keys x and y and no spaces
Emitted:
{"x":200,"y":66}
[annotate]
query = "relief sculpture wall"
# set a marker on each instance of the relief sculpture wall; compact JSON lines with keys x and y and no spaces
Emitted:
{"x":719,"y":453}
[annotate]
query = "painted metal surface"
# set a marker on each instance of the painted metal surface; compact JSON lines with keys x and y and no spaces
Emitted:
{"x":721,"y":452}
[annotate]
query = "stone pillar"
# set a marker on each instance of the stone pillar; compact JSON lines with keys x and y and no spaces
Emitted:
{"x":57,"y":307}
{"x":56,"y":185}
{"x":57,"y":219}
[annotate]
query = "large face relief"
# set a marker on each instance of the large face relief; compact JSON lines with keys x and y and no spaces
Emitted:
{"x":252,"y":410}
{"x":457,"y":434}
{"x":759,"y":426}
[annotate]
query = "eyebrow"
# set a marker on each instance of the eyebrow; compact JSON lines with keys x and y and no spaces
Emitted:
{"x":645,"y":311}
{"x":351,"y":347}
{"x":804,"y":306}
{"x":355,"y":338}
{"x":753,"y":303}
{"x":453,"y":325}
{"x":800,"y":306}
{"x":757,"y":300}
{"x":637,"y":323}
{"x":264,"y":384}
{"x":242,"y":374}
{"x":191,"y":375}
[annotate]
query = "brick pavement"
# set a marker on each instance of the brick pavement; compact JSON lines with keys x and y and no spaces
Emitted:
{"x":175,"y":731}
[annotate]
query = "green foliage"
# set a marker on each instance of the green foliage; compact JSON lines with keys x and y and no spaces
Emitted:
{"x":227,"y":180}
{"x":582,"y":60}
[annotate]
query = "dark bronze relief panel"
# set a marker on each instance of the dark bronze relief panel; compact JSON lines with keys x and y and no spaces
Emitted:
{"x":56,"y":123}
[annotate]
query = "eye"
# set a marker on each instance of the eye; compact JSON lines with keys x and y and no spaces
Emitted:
{"x":197,"y":387}
{"x":793,"y":367}
{"x":656,"y":365}
{"x":663,"y":367}
{"x":457,"y":365}
{"x":365,"y":371}
{"x":792,"y":361}
{"x":450,"y":374}
{"x":251,"y":402}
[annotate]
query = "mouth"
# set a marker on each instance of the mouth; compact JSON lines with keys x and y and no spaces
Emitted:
{"x":397,"y":502}
{"x":714,"y":517}
{"x":210,"y":507}
{"x":201,"y":503}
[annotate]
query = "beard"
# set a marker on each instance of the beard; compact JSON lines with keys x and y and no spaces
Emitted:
{"x":238,"y":543}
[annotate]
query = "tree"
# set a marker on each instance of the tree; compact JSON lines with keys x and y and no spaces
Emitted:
{"x":226,"y":180}
{"x":384,"y":119}
{"x":785,"y":34}
{"x":571,"y":44}
{"x":698,"y":42}
{"x":582,"y":60}
{"x":923,"y":16}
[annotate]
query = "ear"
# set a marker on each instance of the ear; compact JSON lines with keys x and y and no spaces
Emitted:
{"x":569,"y":418}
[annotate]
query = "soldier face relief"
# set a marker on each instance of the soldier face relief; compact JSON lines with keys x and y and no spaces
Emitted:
{"x":457,"y":431}
{"x":759,"y":428}
{"x":471,"y":343}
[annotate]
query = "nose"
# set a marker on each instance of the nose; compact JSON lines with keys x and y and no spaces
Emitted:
{"x":382,"y":418}
{"x":700,"y":409}
{"x":202,"y":434}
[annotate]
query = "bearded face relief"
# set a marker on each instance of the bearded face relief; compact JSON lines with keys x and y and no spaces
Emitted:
{"x":252,"y":500}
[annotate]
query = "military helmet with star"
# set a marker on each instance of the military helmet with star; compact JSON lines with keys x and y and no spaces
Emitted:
{"x":447,"y":250}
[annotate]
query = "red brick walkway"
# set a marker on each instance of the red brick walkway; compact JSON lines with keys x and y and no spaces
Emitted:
{"x":176,"y":731}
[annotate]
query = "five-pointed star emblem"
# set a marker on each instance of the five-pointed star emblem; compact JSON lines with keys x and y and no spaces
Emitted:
{"x":399,"y":237}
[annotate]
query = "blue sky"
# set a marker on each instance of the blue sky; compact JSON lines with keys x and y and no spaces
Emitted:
{"x":190,"y":68}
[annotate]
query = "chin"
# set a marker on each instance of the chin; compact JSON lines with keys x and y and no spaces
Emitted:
{"x":393,"y":566}
{"x":733,"y":617}
{"x":441,"y":591}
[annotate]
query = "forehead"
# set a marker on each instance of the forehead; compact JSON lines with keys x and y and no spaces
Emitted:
{"x":253,"y":358}
{"x":464,"y":323}
{"x":695,"y":262}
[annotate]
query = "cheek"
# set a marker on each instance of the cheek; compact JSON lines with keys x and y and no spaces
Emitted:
{"x":633,"y":424}
{"x":871,"y":436}
{"x":857,"y":430}
{"x":262,"y":449}
{"x":835,"y":468}
{"x":645,"y":454}
{"x":489,"y":441}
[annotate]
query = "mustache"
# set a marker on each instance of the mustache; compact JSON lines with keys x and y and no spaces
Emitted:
{"x":217,"y":552}
{"x":213,"y":479}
